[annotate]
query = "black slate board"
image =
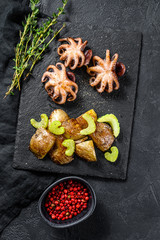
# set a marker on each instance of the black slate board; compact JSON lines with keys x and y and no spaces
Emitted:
{"x":34,"y":101}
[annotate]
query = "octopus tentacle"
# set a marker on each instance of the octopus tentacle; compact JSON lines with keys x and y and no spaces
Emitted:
{"x":79,"y":40}
{"x":102,"y":86}
{"x":68,"y":61}
{"x":100,"y":61}
{"x":71,"y":41}
{"x":81,"y":63}
{"x":82,"y":47}
{"x":56,"y":93}
{"x":108,"y":59}
{"x":94,"y":81}
{"x":62,"y":72}
{"x":76,"y":60}
{"x":63,"y":56}
{"x":73,"y":63}
{"x":54,"y":69}
{"x":72,"y":94}
{"x":72,"y":84}
{"x":115,"y":79}
{"x":93,"y":70}
{"x":62,"y":39}
{"x":63,"y":96}
{"x":48,"y":85}
{"x":46,"y":76}
{"x":62,"y":49}
{"x":109,"y":85}
{"x":63,"y":69}
{"x":114,"y":61}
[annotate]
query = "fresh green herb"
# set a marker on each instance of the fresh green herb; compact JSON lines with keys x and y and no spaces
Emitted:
{"x":33,"y":42}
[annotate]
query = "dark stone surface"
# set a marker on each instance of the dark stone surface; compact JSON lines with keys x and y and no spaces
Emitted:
{"x":127,"y":210}
{"x":120,"y":103}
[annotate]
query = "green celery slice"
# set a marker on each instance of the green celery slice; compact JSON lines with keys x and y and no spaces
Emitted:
{"x":113,"y":121}
{"x":54,"y":127}
{"x":112,"y":157}
{"x":43,"y":123}
{"x":91,"y":125}
{"x":70,"y":145}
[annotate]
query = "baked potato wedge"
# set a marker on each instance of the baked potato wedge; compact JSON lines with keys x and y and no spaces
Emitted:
{"x":57,"y":153}
{"x":58,"y":115}
{"x":86,"y":151}
{"x":72,"y":129}
{"x":103,"y":136}
{"x":82,"y":122}
{"x":42,"y":142}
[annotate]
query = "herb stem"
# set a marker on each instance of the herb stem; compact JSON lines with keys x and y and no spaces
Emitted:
{"x":33,"y":42}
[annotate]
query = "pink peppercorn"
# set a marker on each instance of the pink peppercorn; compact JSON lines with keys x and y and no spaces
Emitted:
{"x":67,"y":200}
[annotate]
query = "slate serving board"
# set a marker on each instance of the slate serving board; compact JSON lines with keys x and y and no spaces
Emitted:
{"x":34,"y":101}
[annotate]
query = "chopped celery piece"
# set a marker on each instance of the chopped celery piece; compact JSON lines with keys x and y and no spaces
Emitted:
{"x":113,"y":122}
{"x":54,"y":127}
{"x":70,"y":145}
{"x":91,"y":125}
{"x":112,"y":157}
{"x":43,"y":123}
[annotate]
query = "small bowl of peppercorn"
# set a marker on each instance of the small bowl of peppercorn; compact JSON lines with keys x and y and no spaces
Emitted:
{"x":67,"y":202}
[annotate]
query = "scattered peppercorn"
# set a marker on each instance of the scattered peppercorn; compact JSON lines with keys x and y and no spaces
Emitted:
{"x":66,"y":200}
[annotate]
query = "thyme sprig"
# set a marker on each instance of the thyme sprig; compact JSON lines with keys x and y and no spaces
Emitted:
{"x":33,"y":42}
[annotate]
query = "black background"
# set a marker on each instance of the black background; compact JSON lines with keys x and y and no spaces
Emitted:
{"x":127,"y":210}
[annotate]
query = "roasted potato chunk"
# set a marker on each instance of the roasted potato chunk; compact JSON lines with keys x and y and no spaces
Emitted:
{"x":82,"y":122}
{"x":41,"y":142}
{"x":72,"y":129}
{"x":86,"y":151}
{"x":57,"y":153}
{"x":103,"y":136}
{"x":58,"y":115}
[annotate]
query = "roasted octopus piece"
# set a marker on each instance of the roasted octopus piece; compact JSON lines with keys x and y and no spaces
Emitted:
{"x":59,"y":84}
{"x":105,"y":73}
{"x":74,"y":53}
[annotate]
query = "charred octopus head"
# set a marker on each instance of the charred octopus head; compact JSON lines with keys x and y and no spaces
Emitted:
{"x":74,"y":53}
{"x":105,"y":73}
{"x":59,"y":84}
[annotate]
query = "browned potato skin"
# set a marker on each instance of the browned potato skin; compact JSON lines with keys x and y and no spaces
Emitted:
{"x":103,"y":136}
{"x":57,"y":153}
{"x":82,"y":122}
{"x":86,"y":151}
{"x":41,"y":142}
{"x":81,"y":140}
{"x":72,"y":129}
{"x":58,"y":115}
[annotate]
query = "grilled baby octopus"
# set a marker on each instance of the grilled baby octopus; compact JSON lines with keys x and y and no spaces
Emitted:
{"x":59,"y":84}
{"x":73,"y":53}
{"x":104,"y":73}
